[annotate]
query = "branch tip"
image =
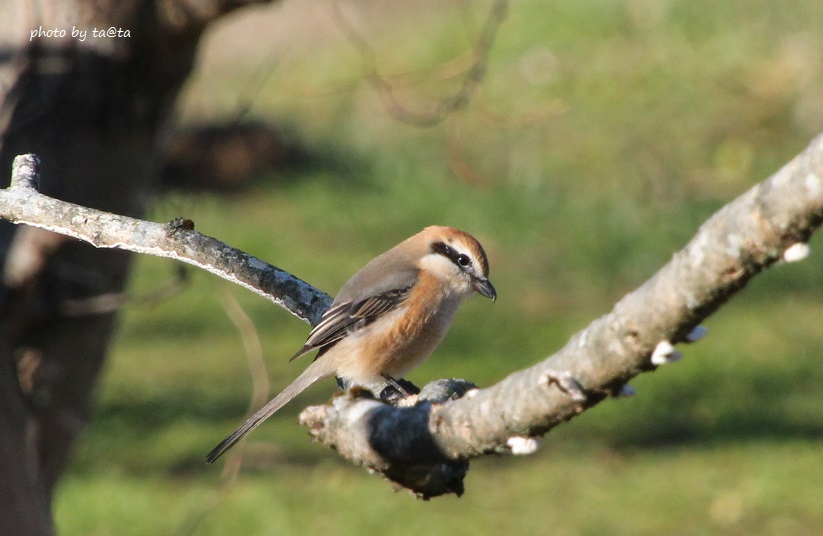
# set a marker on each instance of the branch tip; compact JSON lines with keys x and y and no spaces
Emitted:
{"x":313,"y":418}
{"x":25,"y":171}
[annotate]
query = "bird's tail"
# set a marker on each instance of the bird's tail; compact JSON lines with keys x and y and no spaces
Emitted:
{"x":316,"y":371}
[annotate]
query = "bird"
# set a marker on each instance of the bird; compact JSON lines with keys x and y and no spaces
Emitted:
{"x":388,"y":318}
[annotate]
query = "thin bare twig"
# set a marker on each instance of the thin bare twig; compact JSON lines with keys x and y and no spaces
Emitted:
{"x":260,"y":391}
{"x":471,"y":81}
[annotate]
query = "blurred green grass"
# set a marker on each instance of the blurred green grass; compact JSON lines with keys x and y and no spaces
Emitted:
{"x":602,"y":137}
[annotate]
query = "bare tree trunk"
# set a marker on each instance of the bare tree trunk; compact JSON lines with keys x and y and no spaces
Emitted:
{"x":93,"y":109}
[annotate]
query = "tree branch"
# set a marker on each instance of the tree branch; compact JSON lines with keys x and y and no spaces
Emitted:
{"x":177,"y":239}
{"x":424,"y":443}
{"x":770,"y":222}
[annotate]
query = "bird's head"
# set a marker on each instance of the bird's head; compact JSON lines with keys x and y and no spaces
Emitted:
{"x":456,"y":257}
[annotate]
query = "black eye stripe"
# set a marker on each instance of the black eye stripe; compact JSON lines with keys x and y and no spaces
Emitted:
{"x":460,"y":259}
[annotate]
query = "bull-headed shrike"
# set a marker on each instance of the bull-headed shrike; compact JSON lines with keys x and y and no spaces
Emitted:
{"x":388,"y":318}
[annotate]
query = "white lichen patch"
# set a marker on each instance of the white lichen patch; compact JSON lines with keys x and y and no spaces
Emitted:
{"x":796,"y":252}
{"x":522,"y":446}
{"x":664,"y":353}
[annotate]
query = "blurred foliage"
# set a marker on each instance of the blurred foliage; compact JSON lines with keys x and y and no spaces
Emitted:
{"x":603,"y":135}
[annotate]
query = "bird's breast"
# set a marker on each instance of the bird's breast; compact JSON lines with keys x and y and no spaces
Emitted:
{"x":401,"y":340}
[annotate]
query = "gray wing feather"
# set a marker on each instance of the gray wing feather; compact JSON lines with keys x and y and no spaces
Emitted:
{"x":344,"y":318}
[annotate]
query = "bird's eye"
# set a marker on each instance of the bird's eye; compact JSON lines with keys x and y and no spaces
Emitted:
{"x":463,"y":260}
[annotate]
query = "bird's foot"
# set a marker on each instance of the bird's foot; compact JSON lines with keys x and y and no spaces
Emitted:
{"x":396,"y":390}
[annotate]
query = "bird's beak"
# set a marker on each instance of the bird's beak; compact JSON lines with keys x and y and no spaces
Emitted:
{"x":485,"y":287}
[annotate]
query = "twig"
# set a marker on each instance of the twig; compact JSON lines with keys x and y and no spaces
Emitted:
{"x":471,"y":80}
{"x":260,"y":390}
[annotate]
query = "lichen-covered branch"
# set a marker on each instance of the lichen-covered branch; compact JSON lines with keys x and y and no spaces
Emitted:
{"x":770,"y":222}
{"x":22,"y":203}
{"x":425,"y":446}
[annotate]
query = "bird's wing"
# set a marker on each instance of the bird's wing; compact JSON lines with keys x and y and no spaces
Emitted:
{"x":344,"y":318}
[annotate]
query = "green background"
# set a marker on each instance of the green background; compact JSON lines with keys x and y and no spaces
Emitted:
{"x":603,"y":135}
